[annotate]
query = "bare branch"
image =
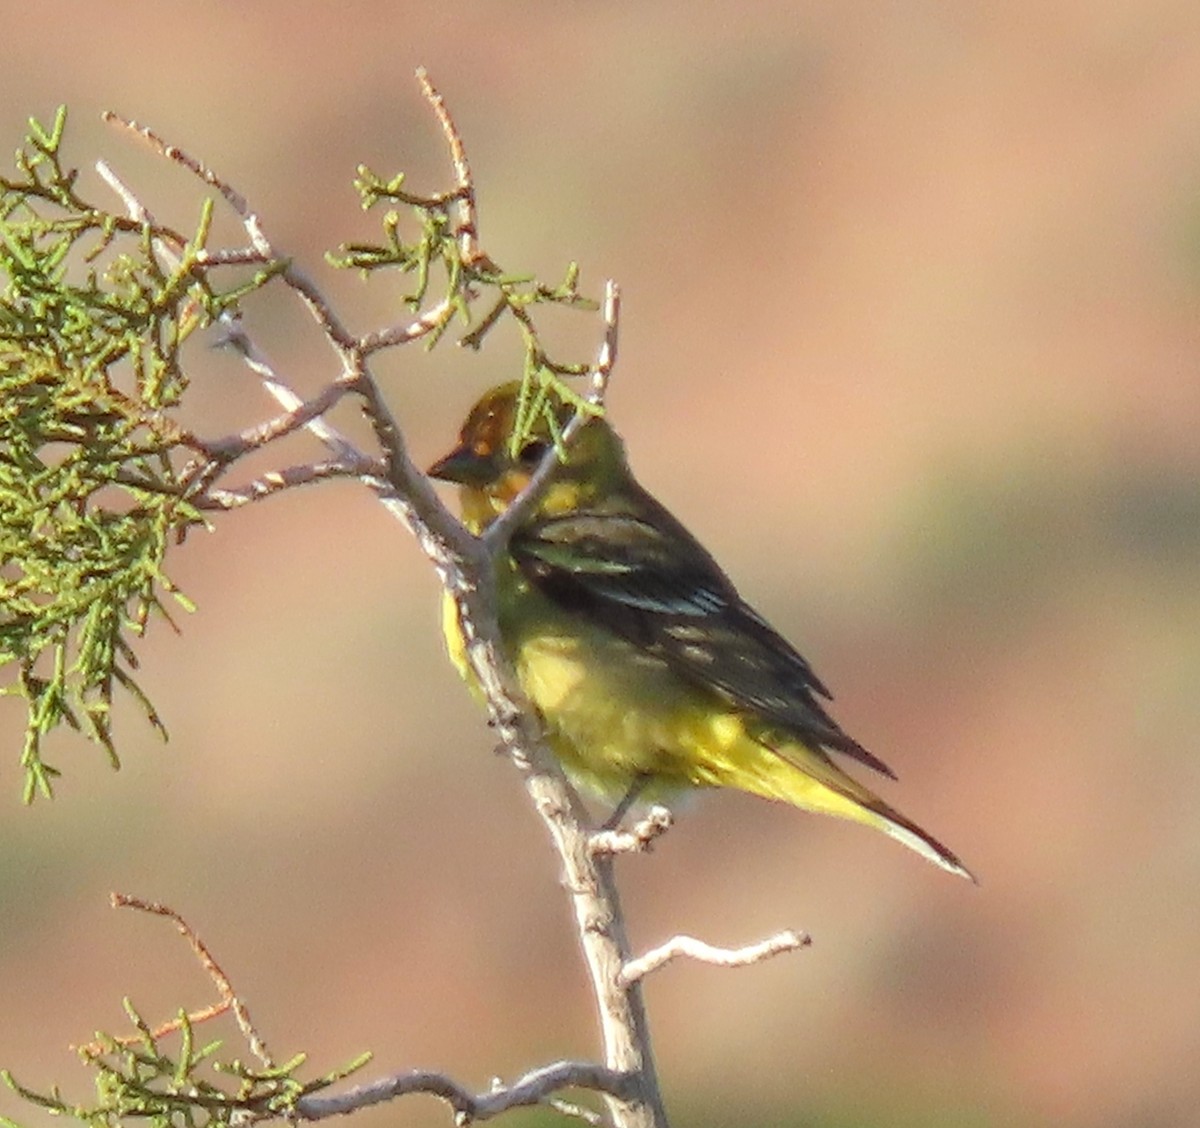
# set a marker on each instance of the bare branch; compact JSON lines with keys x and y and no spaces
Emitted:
{"x":198,"y":168}
{"x":235,"y":336}
{"x":535,"y":1087}
{"x":244,"y":256}
{"x":404,"y":491}
{"x":689,"y":946}
{"x":538,"y":1086}
{"x":194,"y":1018}
{"x":300,"y":416}
{"x":578,"y":1112}
{"x":404,"y":334}
{"x":224,"y":987}
{"x":607,"y":358}
{"x":298,"y":280}
{"x":291,"y":477}
{"x":135,"y":207}
{"x":231,"y":256}
{"x":638,"y":838}
{"x":468,"y":220}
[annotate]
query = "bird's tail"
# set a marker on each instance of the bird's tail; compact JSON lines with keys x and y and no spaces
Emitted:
{"x":808,"y":778}
{"x":902,"y":829}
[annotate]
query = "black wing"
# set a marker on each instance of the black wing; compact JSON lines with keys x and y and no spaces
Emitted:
{"x":639,"y":573}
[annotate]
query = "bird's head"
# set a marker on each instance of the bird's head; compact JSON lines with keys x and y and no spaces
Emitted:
{"x":491,"y":472}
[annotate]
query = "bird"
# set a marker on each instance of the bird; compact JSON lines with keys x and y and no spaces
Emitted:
{"x":651,"y":675}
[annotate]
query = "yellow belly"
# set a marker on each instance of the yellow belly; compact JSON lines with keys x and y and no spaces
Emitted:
{"x":613,"y":714}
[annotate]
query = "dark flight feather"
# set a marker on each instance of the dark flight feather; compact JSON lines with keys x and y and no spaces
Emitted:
{"x":629,"y":566}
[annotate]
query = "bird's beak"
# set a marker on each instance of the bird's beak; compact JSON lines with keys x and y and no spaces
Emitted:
{"x":466,"y":466}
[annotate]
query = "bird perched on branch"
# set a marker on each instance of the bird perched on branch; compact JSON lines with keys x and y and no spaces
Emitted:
{"x":650,"y":672}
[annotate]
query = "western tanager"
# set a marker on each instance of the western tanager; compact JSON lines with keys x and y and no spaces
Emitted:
{"x":648,"y":669}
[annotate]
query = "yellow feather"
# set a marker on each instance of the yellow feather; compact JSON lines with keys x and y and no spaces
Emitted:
{"x":615,"y":713}
{"x":612,"y":714}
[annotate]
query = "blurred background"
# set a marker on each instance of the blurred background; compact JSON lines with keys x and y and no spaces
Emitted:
{"x":910,"y":340}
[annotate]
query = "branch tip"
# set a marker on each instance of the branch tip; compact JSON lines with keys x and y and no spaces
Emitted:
{"x":468,"y":221}
{"x":229,"y":997}
{"x":638,"y":839}
{"x":183,"y":158}
{"x":786,"y":941}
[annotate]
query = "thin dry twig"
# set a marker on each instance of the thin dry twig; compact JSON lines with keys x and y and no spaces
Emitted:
{"x":404,"y":491}
{"x":533,"y":1088}
{"x":296,"y":418}
{"x":231,"y":256}
{"x":198,"y":168}
{"x":290,"y":477}
{"x":787,"y":941}
{"x":229,"y":997}
{"x":235,"y":337}
{"x":419,"y":327}
{"x":137,"y":210}
{"x":467,"y":231}
{"x":577,"y":1112}
{"x":308,"y":291}
{"x":638,"y":839}
{"x":194,"y":1018}
{"x":218,"y":454}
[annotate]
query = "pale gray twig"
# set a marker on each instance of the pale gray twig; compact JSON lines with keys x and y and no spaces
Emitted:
{"x":638,"y":838}
{"x":414,"y":330}
{"x":294,"y":419}
{"x":234,"y":335}
{"x":694,"y":949}
{"x":290,"y":477}
{"x":532,"y":1088}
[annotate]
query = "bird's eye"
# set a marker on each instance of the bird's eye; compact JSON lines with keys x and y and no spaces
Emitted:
{"x":531,"y":453}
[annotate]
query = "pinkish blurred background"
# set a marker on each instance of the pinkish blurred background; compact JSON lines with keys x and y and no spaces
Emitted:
{"x":910,"y":340}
